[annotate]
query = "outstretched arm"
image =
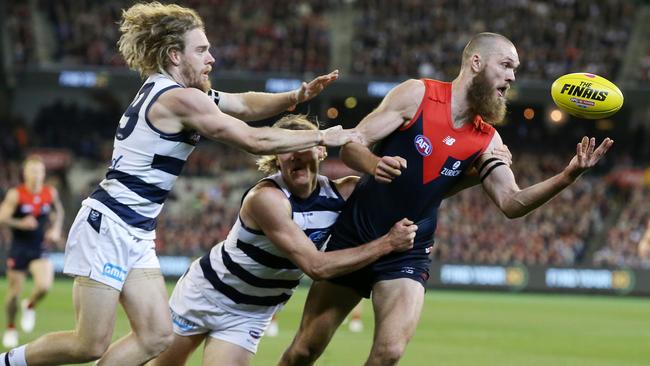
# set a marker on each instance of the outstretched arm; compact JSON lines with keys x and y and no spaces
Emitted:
{"x":399,"y":105}
{"x":514,"y":202}
{"x":261,"y":208}
{"x":253,"y":106}
{"x":472,"y":177}
{"x":196,"y":111}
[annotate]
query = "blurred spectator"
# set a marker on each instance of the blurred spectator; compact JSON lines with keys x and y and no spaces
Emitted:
{"x":621,"y":248}
{"x":275,"y":35}
{"x":423,"y":38}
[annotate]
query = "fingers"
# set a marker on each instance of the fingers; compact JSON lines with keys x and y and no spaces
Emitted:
{"x":406,"y":222}
{"x":401,"y":160}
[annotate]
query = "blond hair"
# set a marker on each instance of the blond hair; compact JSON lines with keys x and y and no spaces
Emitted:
{"x":150,"y":31}
{"x":269,"y":163}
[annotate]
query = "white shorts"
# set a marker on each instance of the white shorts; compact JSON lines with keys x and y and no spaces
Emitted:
{"x":104,"y":251}
{"x":193,"y":314}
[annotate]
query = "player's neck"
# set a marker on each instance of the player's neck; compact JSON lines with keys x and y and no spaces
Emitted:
{"x":459,"y":106}
{"x":175,"y":74}
{"x":34,"y":187}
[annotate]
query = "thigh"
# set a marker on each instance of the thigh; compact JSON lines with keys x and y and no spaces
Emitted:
{"x":42,"y":272}
{"x":144,"y":298}
{"x":218,"y":352}
{"x":16,"y":280}
{"x":326,"y":307}
{"x":95,"y":307}
{"x":397,"y":304}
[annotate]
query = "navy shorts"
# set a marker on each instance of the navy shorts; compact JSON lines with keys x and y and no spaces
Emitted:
{"x":413,"y":264}
{"x":19,"y":258}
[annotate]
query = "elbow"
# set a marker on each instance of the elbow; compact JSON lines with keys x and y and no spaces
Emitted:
{"x":316,"y":274}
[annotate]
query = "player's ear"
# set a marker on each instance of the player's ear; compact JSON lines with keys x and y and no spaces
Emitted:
{"x":174,"y":56}
{"x":476,"y":62}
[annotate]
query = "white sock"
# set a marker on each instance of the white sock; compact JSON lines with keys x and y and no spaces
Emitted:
{"x":16,"y":357}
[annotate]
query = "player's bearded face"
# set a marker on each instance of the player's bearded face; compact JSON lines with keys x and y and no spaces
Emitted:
{"x":484,"y":101}
{"x":196,"y":78}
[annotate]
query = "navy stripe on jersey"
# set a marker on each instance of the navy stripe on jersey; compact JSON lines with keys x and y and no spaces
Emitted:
{"x":251,"y":279}
{"x":168,"y":164}
{"x":251,"y":230}
{"x":232,"y":293}
{"x":145,"y":190}
{"x":263,"y":257}
{"x":151,"y":103}
{"x":183,"y":136}
{"x":123,"y":211}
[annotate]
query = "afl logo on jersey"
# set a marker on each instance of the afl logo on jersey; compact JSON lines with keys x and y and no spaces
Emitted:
{"x":423,"y":145}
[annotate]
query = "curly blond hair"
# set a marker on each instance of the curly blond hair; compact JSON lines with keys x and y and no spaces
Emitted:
{"x":269,"y":163}
{"x":150,"y":31}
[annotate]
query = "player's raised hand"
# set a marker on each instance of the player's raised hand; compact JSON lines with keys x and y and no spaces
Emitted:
{"x":337,"y":136}
{"x":309,"y":90}
{"x":587,"y":155}
{"x":402,"y":234}
{"x":388,"y":168}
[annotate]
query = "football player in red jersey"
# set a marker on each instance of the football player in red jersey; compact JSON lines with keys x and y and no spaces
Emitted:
{"x":427,"y":135}
{"x":34,"y":213}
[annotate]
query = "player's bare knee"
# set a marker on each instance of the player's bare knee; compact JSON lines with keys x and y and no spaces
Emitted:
{"x":388,"y":353}
{"x":306,"y":351}
{"x":90,"y":350}
{"x":158,"y":341}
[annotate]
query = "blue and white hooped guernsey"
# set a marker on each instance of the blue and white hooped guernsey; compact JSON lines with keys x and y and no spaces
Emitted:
{"x":144,"y":166}
{"x":248,"y":274}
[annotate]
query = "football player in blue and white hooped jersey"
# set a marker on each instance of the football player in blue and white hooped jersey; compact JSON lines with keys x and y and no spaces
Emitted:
{"x":228,"y":297}
{"x":110,"y":247}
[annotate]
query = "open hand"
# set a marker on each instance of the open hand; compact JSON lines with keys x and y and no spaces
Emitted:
{"x":309,"y":90}
{"x":587,"y":155}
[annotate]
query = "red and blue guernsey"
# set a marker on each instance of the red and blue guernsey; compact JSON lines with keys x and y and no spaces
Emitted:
{"x":37,"y":204}
{"x":437,"y":154}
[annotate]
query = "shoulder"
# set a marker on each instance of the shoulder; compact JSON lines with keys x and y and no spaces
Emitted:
{"x":408,"y":88}
{"x":265,"y":195}
{"x":405,"y":96}
{"x":346,"y":185}
{"x":185,"y":100}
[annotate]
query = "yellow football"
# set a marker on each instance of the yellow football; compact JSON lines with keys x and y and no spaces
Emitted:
{"x":586,"y":95}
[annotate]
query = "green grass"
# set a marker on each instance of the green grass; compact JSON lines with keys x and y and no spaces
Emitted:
{"x":459,"y":328}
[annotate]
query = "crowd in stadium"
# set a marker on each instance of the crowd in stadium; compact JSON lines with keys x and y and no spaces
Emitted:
{"x":586,"y":36}
{"x":282,"y":36}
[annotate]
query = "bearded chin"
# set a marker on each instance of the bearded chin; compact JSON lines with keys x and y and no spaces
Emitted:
{"x":483,"y":101}
{"x":193,"y":82}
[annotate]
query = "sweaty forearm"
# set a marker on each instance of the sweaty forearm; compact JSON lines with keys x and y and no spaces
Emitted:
{"x":340,"y":262}
{"x":526,"y":200}
{"x":264,"y":105}
{"x":269,"y":140}
{"x":359,"y":157}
